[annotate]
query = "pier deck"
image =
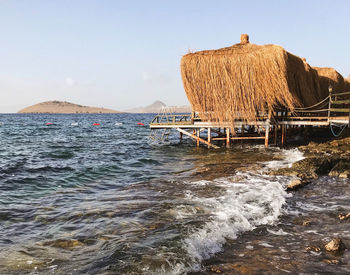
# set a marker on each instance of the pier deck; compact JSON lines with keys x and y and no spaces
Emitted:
{"x":275,"y":123}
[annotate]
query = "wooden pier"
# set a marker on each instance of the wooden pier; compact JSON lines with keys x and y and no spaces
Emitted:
{"x":333,"y":111}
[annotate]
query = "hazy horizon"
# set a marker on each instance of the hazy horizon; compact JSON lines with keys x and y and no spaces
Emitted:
{"x":121,"y":55}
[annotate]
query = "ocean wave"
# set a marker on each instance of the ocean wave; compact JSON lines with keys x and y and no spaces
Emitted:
{"x":250,"y":199}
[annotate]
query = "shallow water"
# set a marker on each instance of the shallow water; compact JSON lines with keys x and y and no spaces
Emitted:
{"x":77,"y":198}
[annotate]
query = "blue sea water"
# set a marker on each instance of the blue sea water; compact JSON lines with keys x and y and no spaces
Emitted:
{"x":82,"y":199}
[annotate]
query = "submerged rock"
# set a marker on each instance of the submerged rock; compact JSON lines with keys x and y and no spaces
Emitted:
{"x":331,"y":261}
{"x":295,"y":184}
{"x":343,"y":217}
{"x":341,"y":169}
{"x":334,"y":147}
{"x":335,"y":245}
{"x":64,"y":243}
{"x":309,"y":168}
{"x":313,"y":248}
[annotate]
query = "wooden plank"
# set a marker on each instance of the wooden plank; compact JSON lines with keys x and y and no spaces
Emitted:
{"x":197,"y":138}
{"x":218,"y":138}
{"x":312,"y":123}
{"x":341,"y":102}
{"x":340,"y":110}
{"x":242,"y":138}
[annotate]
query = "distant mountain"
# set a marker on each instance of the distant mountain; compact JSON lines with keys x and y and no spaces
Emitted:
{"x":159,"y":106}
{"x":63,"y":107}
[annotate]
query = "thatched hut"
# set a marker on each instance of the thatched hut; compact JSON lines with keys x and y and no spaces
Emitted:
{"x":239,"y":81}
{"x":329,"y":76}
{"x":347,"y":84}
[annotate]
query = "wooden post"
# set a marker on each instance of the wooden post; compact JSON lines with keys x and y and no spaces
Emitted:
{"x":267,"y":131}
{"x":198,"y":132}
{"x":181,"y":135}
{"x":283,"y":138}
{"x":227,"y":137}
{"x":275,"y":137}
{"x":209,"y":136}
{"x":267,"y":136}
{"x":330,"y":90}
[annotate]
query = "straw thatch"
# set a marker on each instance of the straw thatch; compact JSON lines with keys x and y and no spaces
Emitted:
{"x":347,"y":84}
{"x":329,"y":76}
{"x":241,"y":80}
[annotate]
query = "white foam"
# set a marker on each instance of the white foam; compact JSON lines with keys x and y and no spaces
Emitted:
{"x":289,"y":157}
{"x":249,"y":199}
{"x":266,"y":244}
{"x":245,"y":205}
{"x":278,"y":233}
{"x":184,"y":211}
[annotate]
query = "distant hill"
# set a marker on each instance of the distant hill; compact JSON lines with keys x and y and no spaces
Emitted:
{"x":159,"y":106}
{"x":63,"y":107}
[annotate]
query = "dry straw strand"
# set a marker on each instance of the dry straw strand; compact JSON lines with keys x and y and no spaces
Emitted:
{"x":240,"y":81}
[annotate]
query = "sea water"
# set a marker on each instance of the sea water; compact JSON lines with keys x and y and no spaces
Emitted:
{"x":77,"y":198}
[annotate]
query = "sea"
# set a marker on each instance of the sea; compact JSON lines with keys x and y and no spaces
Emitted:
{"x":79,"y":198}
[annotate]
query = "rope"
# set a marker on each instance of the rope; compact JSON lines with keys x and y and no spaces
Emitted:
{"x":343,"y":126}
{"x":313,"y":111}
{"x":309,"y":107}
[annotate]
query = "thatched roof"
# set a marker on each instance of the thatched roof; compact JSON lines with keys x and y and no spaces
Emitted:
{"x":347,"y":84}
{"x":329,"y":76}
{"x":238,"y":81}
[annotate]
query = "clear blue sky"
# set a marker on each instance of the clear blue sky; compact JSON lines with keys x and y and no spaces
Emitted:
{"x":122,"y":54}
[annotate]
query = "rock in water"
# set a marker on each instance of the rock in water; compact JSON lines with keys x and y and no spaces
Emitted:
{"x":294,"y":184}
{"x":335,"y":245}
{"x":343,"y":217}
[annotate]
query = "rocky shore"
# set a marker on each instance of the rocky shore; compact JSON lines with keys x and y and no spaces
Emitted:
{"x":330,"y":158}
{"x":313,"y":235}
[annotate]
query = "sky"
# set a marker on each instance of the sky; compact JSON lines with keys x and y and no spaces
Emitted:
{"x":124,"y":54}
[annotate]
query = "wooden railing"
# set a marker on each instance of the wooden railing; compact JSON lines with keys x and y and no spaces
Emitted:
{"x":334,"y":100}
{"x":324,"y":109}
{"x":172,"y":119}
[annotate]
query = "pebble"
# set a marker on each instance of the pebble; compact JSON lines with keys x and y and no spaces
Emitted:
{"x":335,"y":245}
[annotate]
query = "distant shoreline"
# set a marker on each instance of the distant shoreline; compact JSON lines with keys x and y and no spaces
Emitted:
{"x":64,"y":107}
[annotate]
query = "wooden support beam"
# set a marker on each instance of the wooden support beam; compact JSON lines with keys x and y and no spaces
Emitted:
{"x":209,"y":136}
{"x":181,"y":135}
{"x":267,"y":131}
{"x":197,"y":138}
{"x":227,"y":137}
{"x":237,"y":138}
{"x":198,"y":134}
{"x":218,"y":138}
{"x":275,"y":136}
{"x":283,"y":136}
{"x":243,"y":138}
